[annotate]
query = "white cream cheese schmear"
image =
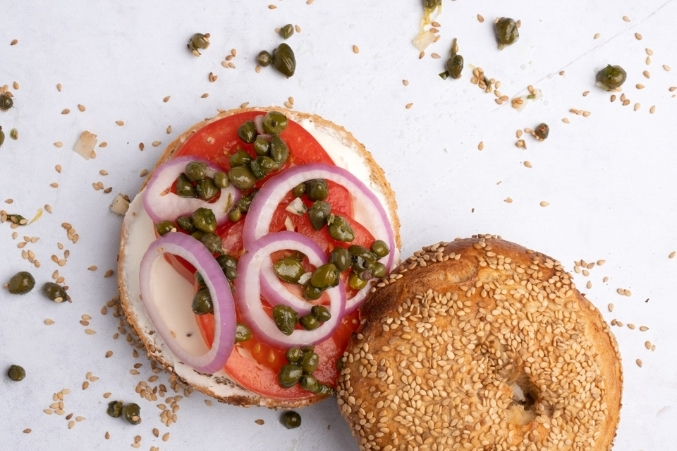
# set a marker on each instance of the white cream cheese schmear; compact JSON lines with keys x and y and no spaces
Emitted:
{"x":173,"y":293}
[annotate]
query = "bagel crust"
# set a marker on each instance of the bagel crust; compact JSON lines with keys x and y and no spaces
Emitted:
{"x":481,"y":344}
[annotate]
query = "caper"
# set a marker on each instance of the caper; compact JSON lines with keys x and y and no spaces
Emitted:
{"x":14,"y":134}
{"x":318,"y":214}
{"x":234,"y":215}
{"x":206,"y":189}
{"x":380,"y":248}
{"x":16,"y":373}
{"x":278,"y":150}
{"x":199,"y":280}
{"x":54,"y":292}
{"x":212,"y":242}
{"x":325,"y":390}
{"x":309,"y":322}
{"x":2,"y":136}
{"x":202,"y":302}
{"x":6,"y":102}
{"x":455,"y":66}
{"x":263,"y":166}
{"x":242,"y":333}
{"x":289,"y":269}
{"x":293,"y":354}
{"x":264,"y":58}
{"x":204,"y":219}
{"x":184,"y":187}
{"x":198,"y":234}
{"x":378,"y":270}
{"x":317,"y":189}
{"x":287,"y":31}
{"x":611,"y":77}
{"x":164,"y":227}
{"x":285,"y":318}
{"x":309,"y":383}
{"x":309,"y":362}
{"x":115,"y":409}
{"x":241,"y":177}
{"x":507,"y":32}
{"x":196,"y":171}
{"x":312,"y":293}
{"x":542,"y":131}
{"x":362,"y":258}
{"x":341,"y":258}
{"x":299,"y":190}
{"x":185,"y":223}
{"x":17,"y":219}
{"x":356,"y":282}
{"x":290,"y":419}
{"x":431,"y":4}
{"x":245,"y":201}
{"x":321,"y":313}
{"x":247,"y":132}
{"x":21,"y":283}
{"x":274,"y":122}
{"x":289,"y":375}
{"x":325,"y":276}
{"x":221,"y":180}
{"x":198,"y":42}
{"x":228,"y":265}
{"x":261,"y":145}
{"x":131,"y":413}
{"x":284,"y":60}
{"x":340,"y":229}
{"x":240,"y":158}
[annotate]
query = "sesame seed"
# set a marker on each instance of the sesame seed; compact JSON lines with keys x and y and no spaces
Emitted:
{"x":652,"y":110}
{"x":27,"y":431}
{"x":90,"y":331}
{"x":507,"y":200}
{"x":544,"y":203}
{"x":480,"y":19}
{"x":666,"y":67}
{"x":649,"y":51}
{"x":626,"y":18}
{"x":565,"y":120}
{"x":672,"y":254}
{"x":648,"y":60}
{"x":637,"y":106}
{"x":435,"y":55}
{"x":165,"y":437}
{"x":409,"y":105}
{"x":272,"y":7}
{"x":166,"y":99}
{"x":169,"y":129}
{"x":81,"y":107}
{"x":120,"y":123}
{"x":610,"y":307}
{"x":480,"y":146}
{"x":356,"y":49}
{"x":297,"y":28}
{"x":639,"y":86}
{"x":639,"y":362}
{"x":646,"y":74}
{"x":638,"y":36}
{"x":405,"y":82}
{"x":528,"y":164}
{"x":14,"y":42}
{"x":585,"y":93}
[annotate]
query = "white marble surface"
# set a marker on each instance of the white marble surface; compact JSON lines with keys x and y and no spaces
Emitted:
{"x":609,"y":178}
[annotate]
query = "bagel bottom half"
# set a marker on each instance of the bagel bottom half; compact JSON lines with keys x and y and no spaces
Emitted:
{"x":481,"y":344}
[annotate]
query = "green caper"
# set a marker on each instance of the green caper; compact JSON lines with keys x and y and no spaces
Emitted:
{"x":198,"y":234}
{"x":285,"y":318}
{"x":312,"y":293}
{"x":310,"y":362}
{"x":131,"y":413}
{"x":362,"y":258}
{"x":221,"y":180}
{"x":299,"y":190}
{"x":17,"y":219}
{"x":228,"y":265}
{"x":289,"y":375}
{"x":455,"y":66}
{"x":263,"y":166}
{"x":431,"y":4}
{"x":199,"y":280}
{"x":242,"y":333}
{"x":274,"y":122}
{"x":185,"y":223}
{"x":234,"y":215}
{"x":507,"y":32}
{"x":164,"y":227}
{"x":14,"y":134}
{"x":289,"y":269}
{"x":247,"y":132}
{"x":325,"y":390}
{"x":321,"y":313}
{"x":317,"y":189}
{"x":212,"y":242}
{"x":2,"y":136}
{"x":287,"y":31}
{"x":379,"y":270}
{"x":6,"y":102}
{"x":241,"y":177}
{"x":54,"y":292}
{"x":341,"y":258}
{"x":356,"y":282}
{"x":204,"y":220}
{"x":309,"y":383}
{"x":293,"y":354}
{"x":21,"y":283}
{"x":309,"y":322}
{"x":325,"y":276}
{"x":196,"y":171}
{"x":206,"y":189}
{"x":245,"y":201}
{"x":380,"y":248}
{"x":198,"y":42}
{"x":184,"y":187}
{"x":115,"y":409}
{"x":202,"y":302}
{"x":318,"y":214}
{"x":284,"y":60}
{"x":290,"y":419}
{"x":611,"y":77}
{"x":240,"y":158}
{"x":542,"y":131}
{"x":278,"y":150}
{"x":340,"y":229}
{"x":264,"y":58}
{"x":16,"y":373}
{"x":261,"y":145}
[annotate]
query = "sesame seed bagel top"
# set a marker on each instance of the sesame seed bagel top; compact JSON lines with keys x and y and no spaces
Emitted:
{"x":481,"y":344}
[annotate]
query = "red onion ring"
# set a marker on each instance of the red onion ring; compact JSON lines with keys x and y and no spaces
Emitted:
{"x":248,"y":292}
{"x":160,"y":204}
{"x":190,"y":249}
{"x":276,"y":292}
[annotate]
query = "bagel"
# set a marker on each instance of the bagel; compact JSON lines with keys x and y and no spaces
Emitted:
{"x":137,"y":233}
{"x":481,"y":344}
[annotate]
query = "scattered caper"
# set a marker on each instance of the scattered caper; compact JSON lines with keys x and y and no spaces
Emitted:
{"x":115,"y":409}
{"x":234,"y":215}
{"x":247,"y":132}
{"x":611,"y":77}
{"x":245,"y":201}
{"x":240,"y":158}
{"x":294,"y":354}
{"x":241,"y":177}
{"x":221,"y":180}
{"x":199,"y":280}
{"x":312,"y":293}
{"x":309,"y":322}
{"x":14,"y":134}
{"x":287,"y":31}
{"x":317,"y":189}
{"x":206,"y":189}
{"x":356,"y":282}
{"x":242,"y":333}
{"x":431,"y":4}
{"x":378,"y":270}
{"x":289,"y":375}
{"x":325,"y":276}
{"x":204,"y":219}
{"x":131,"y":413}
{"x":198,"y":42}
{"x":202,"y":302}
{"x":198,"y":234}
{"x":278,"y":150}
{"x":321,"y":313}
{"x":455,"y":66}
{"x":340,"y":229}
{"x":285,"y":318}
{"x":185,"y":223}
{"x":290,"y":419}
{"x":228,"y":265}
{"x":263,"y":166}
{"x":261,"y":145}
{"x":196,"y":171}
{"x":274,"y":122}
{"x":164,"y":227}
{"x":16,"y":373}
{"x":341,"y":258}
{"x":264,"y":58}
{"x":2,"y":136}
{"x":6,"y":102}
{"x":309,"y":383}
{"x":283,"y":60}
{"x":318,"y":214}
{"x":289,"y":269}
{"x":362,"y":258}
{"x":309,"y":362}
{"x":380,"y":248}
{"x":542,"y":131}
{"x":17,"y":219}
{"x":212,"y":242}
{"x":184,"y":187}
{"x":325,"y":390}
{"x":54,"y":292}
{"x":507,"y":32}
{"x":21,"y":283}
{"x":299,"y":190}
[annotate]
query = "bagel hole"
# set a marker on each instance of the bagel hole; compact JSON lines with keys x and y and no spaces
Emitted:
{"x":525,"y":396}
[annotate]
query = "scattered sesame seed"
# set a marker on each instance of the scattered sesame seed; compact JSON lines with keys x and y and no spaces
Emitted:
{"x":205,"y":95}
{"x":544,"y":203}
{"x":421,"y":55}
{"x":638,"y":36}
{"x":14,"y":42}
{"x":649,"y":51}
{"x":672,"y":254}
{"x":639,"y":362}
{"x":272,"y":7}
{"x":435,"y":55}
{"x":166,"y":99}
{"x":260,"y":422}
{"x":528,"y":164}
{"x":666,"y":67}
{"x":409,"y":105}
{"x":81,"y":107}
{"x":27,"y":431}
{"x":120,"y":123}
{"x":480,"y":146}
{"x":652,"y":110}
{"x":90,"y":331}
{"x":626,"y":18}
{"x":585,"y":93}
{"x":646,"y":74}
{"x":143,"y":173}
{"x":507,"y":200}
{"x":480,"y":19}
{"x":356,"y":49}
{"x":637,"y":106}
{"x":58,"y":87}
{"x":92,"y":268}
{"x":648,"y":60}
{"x":297,"y":28}
{"x":565,"y":120}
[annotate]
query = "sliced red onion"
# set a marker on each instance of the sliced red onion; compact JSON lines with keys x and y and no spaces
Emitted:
{"x":258,"y":122}
{"x":161,"y":204}
{"x":190,"y":249}
{"x":248,"y":292}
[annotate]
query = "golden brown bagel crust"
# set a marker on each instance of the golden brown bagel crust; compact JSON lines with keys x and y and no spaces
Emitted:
{"x":243,"y":397}
{"x":481,"y":344}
